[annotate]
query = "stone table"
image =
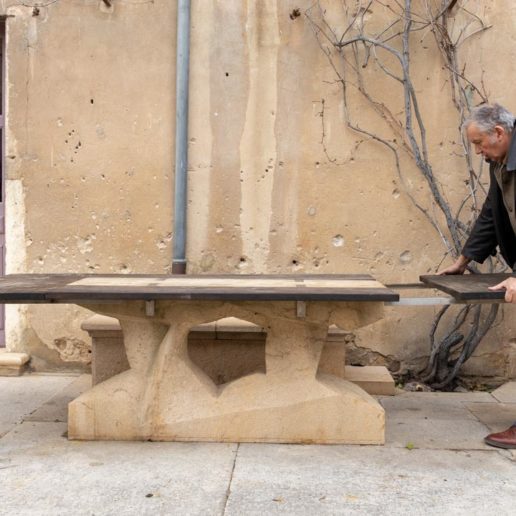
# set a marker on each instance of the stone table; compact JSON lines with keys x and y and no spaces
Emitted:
{"x":164,"y":396}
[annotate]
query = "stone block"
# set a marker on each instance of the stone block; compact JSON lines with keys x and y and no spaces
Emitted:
{"x":375,"y":380}
{"x":107,"y":348}
{"x":13,"y":364}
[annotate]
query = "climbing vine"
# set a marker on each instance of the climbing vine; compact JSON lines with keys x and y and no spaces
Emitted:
{"x":360,"y":53}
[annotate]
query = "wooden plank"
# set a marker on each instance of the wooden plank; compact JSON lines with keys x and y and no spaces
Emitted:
{"x":83,"y":287}
{"x":231,"y":282}
{"x":184,"y":282}
{"x":468,"y":287}
{"x":31,"y":287}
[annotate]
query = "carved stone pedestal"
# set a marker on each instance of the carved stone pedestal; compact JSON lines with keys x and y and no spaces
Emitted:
{"x":165,"y":396}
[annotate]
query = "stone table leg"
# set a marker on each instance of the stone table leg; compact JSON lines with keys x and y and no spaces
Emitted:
{"x":113,"y":409}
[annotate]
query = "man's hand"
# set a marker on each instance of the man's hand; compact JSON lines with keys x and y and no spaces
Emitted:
{"x":510,"y":289}
{"x":458,"y":267}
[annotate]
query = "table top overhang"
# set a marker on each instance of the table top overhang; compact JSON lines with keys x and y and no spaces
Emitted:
{"x":468,"y":287}
{"x":62,"y":288}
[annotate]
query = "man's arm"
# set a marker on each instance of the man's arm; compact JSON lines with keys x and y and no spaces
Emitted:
{"x":458,"y":267}
{"x":482,"y":241}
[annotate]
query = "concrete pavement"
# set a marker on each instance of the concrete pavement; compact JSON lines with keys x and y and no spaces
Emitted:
{"x":434,"y":462}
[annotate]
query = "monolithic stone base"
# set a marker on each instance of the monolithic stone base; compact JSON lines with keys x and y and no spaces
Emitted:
{"x":165,"y":396}
{"x":13,"y":364}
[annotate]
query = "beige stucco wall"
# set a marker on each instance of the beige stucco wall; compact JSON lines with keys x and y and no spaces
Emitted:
{"x":274,"y":187}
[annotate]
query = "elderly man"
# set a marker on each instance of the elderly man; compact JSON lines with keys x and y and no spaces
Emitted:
{"x":490,"y":130}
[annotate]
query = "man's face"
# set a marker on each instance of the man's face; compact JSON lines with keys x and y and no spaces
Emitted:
{"x":493,"y":146}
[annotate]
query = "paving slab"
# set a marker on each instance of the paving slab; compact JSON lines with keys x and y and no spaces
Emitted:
{"x":324,"y":480}
{"x":445,"y":397}
{"x":437,"y":434}
{"x":506,"y":393}
{"x":22,"y":395}
{"x":56,"y":409}
{"x":42,"y":473}
{"x":421,"y":407}
{"x":496,"y":416}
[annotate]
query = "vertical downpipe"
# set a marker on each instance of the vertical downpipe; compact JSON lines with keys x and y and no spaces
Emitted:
{"x":180,"y":193}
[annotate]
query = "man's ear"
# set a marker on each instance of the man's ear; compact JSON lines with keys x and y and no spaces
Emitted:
{"x":500,"y":131}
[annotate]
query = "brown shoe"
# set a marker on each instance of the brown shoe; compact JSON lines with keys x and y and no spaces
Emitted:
{"x":506,"y":439}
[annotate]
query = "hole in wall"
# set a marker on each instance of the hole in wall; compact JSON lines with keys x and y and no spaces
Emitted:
{"x":295,"y":14}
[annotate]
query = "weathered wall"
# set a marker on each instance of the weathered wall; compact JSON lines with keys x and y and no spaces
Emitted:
{"x":273,"y":185}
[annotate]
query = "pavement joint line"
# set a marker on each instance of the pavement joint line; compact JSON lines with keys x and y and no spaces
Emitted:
{"x":13,"y":426}
{"x":507,"y":454}
{"x":465,"y":405}
{"x":228,"y":490}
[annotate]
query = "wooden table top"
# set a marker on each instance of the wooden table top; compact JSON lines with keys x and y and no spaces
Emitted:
{"x":468,"y":287}
{"x":52,"y":288}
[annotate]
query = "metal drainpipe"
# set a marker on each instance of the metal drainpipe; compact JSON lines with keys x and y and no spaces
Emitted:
{"x":180,"y":193}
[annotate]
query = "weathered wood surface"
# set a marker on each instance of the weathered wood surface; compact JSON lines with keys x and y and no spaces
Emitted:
{"x":468,"y":287}
{"x":48,"y":288}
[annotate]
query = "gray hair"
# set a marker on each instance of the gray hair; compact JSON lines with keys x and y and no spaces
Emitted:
{"x":487,"y":116}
